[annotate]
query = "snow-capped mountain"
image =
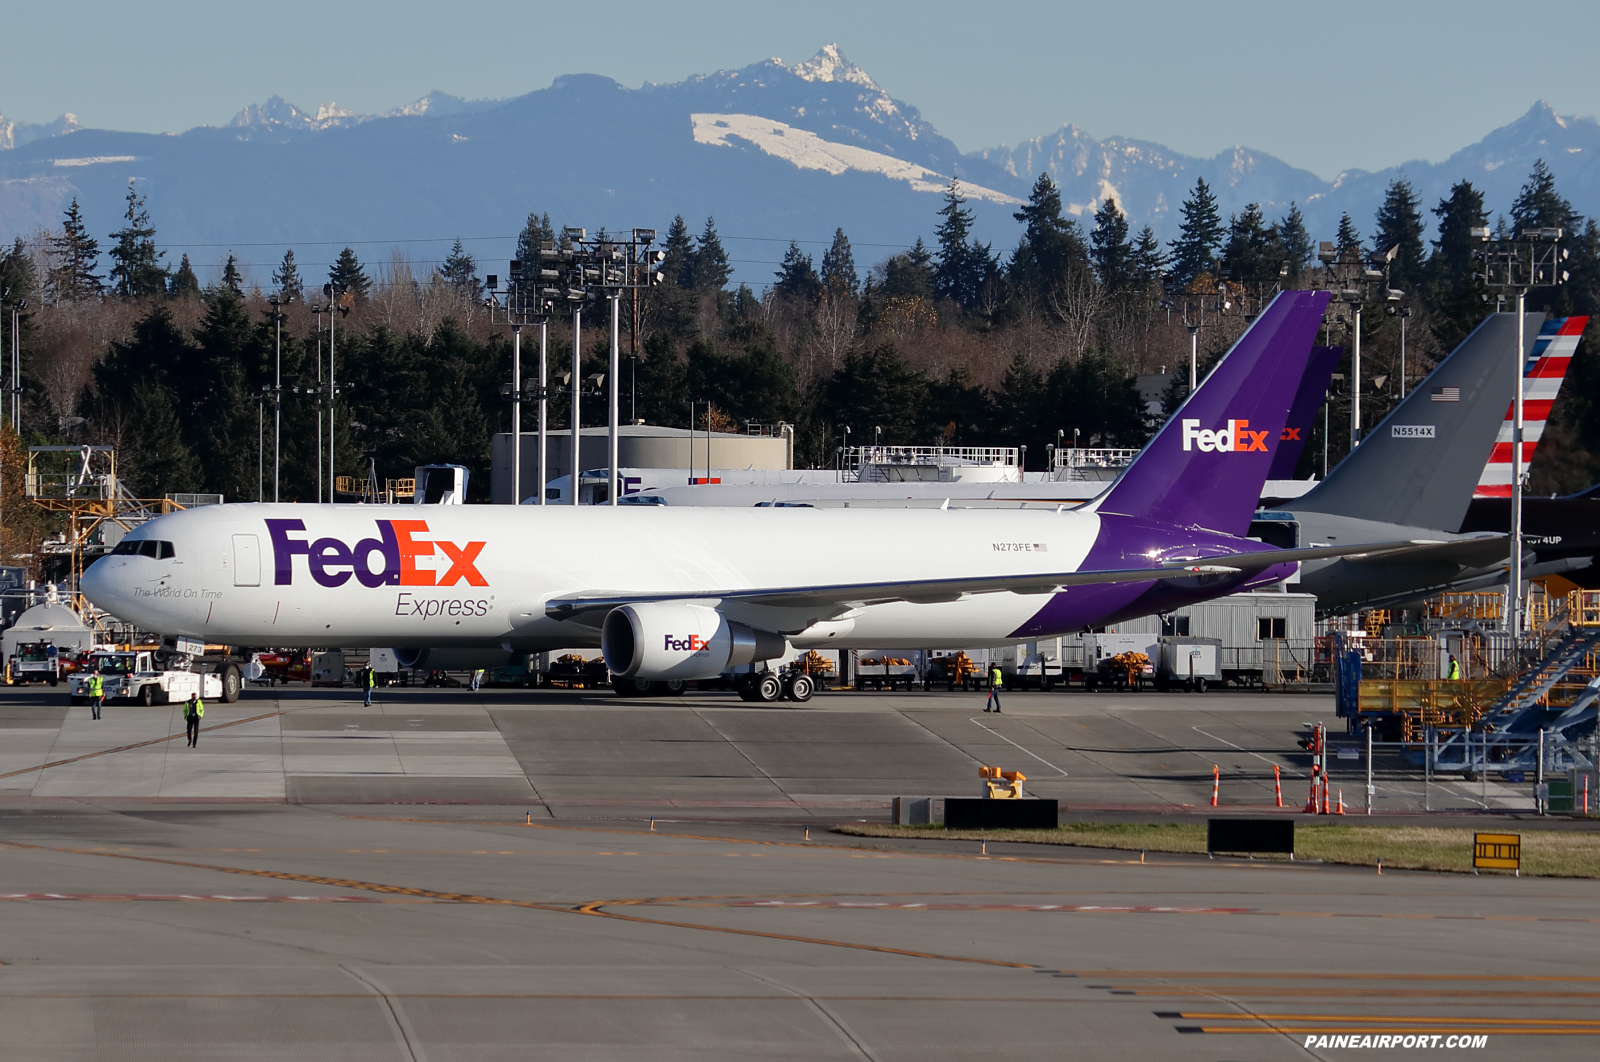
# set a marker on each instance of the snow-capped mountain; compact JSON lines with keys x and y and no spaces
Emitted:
{"x":775,"y":151}
{"x":16,"y":134}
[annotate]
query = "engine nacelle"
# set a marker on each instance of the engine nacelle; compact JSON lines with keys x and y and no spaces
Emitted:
{"x":672,"y":640}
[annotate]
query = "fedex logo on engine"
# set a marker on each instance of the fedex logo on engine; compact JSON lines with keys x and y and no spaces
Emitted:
{"x":1235,"y":438}
{"x":692,"y":644}
{"x":332,"y":561}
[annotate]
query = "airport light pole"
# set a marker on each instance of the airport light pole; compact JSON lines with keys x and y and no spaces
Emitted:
{"x":17,"y":308}
{"x":1531,"y":258}
{"x":1352,"y":281}
{"x":338,"y":305}
{"x":277,"y":302}
{"x":1402,"y":312}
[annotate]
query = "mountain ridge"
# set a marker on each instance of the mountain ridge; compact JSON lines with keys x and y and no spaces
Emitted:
{"x":775,"y":151}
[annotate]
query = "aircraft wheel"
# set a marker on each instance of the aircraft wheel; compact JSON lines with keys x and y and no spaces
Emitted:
{"x":768,"y":688}
{"x":801,"y":687}
{"x":672,"y":687}
{"x":232,"y":682}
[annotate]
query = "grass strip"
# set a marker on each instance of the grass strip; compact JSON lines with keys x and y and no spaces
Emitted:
{"x":1545,"y":853}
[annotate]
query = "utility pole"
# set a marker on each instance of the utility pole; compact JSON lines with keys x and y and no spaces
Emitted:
{"x":337,"y":297}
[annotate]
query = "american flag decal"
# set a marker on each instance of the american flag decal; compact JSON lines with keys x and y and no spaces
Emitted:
{"x":1445,"y":394}
{"x":1041,"y":547}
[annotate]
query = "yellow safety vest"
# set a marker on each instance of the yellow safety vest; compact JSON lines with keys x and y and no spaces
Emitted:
{"x":199,"y":709}
{"x":994,"y":676}
{"x":1455,"y":669}
{"x":96,"y":686}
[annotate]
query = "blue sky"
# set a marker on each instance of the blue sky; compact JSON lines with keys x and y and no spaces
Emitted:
{"x":1360,"y":85}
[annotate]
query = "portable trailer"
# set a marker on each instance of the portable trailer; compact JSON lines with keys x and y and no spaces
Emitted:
{"x":1265,"y":637}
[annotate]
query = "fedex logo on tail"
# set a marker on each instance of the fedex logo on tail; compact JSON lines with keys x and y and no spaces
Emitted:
{"x":332,"y":561}
{"x":1235,"y":438}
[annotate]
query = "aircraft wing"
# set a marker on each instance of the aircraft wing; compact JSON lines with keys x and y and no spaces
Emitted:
{"x":1476,"y":552}
{"x":933,"y":590}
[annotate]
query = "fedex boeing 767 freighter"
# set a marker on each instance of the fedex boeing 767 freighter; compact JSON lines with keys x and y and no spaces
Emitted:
{"x":685,"y":593}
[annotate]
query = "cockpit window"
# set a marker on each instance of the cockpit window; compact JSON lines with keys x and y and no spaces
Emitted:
{"x":144,"y":547}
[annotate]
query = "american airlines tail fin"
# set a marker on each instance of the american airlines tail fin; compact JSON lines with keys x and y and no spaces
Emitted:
{"x":1546,"y":368}
{"x":1303,"y":410}
{"x":1206,"y":465}
{"x":1419,"y":466}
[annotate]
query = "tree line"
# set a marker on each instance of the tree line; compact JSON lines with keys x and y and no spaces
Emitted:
{"x":951,"y":342}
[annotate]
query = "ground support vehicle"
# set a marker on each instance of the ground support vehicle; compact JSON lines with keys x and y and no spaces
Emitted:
{"x":1188,"y":663}
{"x":572,"y":671}
{"x":137,"y":675}
{"x":885,"y":672}
{"x":34,"y":662}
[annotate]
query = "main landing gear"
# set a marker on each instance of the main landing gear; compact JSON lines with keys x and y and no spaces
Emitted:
{"x":767,"y":686}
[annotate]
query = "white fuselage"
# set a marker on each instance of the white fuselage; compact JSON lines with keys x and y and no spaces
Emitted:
{"x":479,"y":576}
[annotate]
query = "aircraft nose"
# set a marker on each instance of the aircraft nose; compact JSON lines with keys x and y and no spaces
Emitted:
{"x":98,"y":583}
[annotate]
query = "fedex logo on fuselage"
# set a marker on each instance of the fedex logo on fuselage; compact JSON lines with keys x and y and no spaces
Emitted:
{"x":692,"y":644}
{"x":1235,"y":438}
{"x":332,"y":561}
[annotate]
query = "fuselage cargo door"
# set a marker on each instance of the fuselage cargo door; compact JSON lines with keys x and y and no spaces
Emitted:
{"x":246,"y":560}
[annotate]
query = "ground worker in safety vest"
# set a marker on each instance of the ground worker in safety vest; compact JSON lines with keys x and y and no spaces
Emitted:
{"x":194,"y":710}
{"x":95,"y":688}
{"x":993,"y":703}
{"x":1455,"y":669}
{"x":369,"y":679}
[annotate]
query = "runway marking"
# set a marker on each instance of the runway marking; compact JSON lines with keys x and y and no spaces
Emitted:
{"x":593,"y":909}
{"x":189,"y":897}
{"x":1069,"y":908}
{"x":1008,"y":741}
{"x":1286,"y":769}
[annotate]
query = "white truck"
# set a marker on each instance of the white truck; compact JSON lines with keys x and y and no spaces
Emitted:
{"x":134,"y":675}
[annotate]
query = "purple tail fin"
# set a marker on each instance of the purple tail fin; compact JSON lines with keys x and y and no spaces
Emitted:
{"x":1206,"y":466}
{"x":1303,"y":410}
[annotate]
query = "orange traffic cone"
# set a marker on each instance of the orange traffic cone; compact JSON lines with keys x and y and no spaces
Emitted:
{"x":1341,"y":803}
{"x":1216,"y":783}
{"x":1277,"y":785}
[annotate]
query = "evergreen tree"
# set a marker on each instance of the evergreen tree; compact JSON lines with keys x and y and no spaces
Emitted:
{"x":908,"y":275}
{"x":460,"y":271}
{"x":661,"y":382}
{"x":1399,"y":225}
{"x":1348,"y":239}
{"x":1149,"y":262}
{"x":877,"y":389}
{"x":1050,"y":245}
{"x":1110,"y":250}
{"x":796,"y":277}
{"x":136,"y":268}
{"x":1453,"y":288}
{"x":1296,"y":241}
{"x":287,"y":278}
{"x":164,"y":463}
{"x":963,"y":264}
{"x":1540,"y":206}
{"x":18,"y":278}
{"x":232,"y":279}
{"x":347,"y":271}
{"x":1199,"y":235}
{"x":711,"y":269}
{"x":839,"y":267}
{"x":76,"y":256}
{"x":184,"y":283}
{"x":1252,"y":253}
{"x":678,"y":266}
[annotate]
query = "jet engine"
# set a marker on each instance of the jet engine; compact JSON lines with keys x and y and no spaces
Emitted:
{"x":673,"y":640}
